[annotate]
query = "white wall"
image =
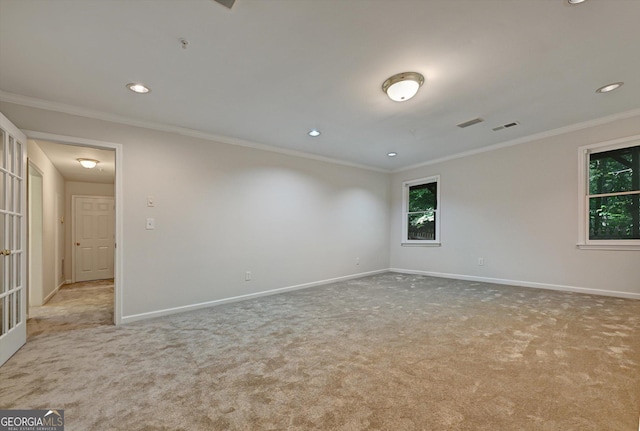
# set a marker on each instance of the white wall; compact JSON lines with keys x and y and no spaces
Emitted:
{"x":52,"y":213}
{"x":222,"y":210}
{"x":78,"y":188}
{"x":517,"y":208}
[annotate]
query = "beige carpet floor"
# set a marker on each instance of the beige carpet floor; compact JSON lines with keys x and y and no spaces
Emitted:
{"x":387,"y":352}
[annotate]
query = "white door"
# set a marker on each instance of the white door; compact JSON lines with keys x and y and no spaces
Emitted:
{"x":93,"y":224}
{"x":13,"y":224}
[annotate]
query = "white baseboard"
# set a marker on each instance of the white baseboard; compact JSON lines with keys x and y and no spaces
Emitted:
{"x":521,"y":283}
{"x":49,"y":296}
{"x":192,"y":307}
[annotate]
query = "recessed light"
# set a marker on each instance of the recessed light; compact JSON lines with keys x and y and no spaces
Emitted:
{"x":392,"y":154}
{"x":610,"y":87}
{"x":314,"y":132}
{"x":138,"y":88}
{"x":576,"y":1}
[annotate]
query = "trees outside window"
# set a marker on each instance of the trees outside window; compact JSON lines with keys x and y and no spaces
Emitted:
{"x":421,"y":218}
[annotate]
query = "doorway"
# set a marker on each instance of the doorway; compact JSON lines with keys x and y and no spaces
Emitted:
{"x":35,"y":232}
{"x":80,"y":147}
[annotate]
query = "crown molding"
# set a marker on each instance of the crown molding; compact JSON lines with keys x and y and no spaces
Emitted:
{"x":537,"y":136}
{"x":192,"y":133}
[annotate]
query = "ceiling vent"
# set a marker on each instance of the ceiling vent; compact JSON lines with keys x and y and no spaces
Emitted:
{"x":506,"y":126}
{"x":470,"y":123}
{"x":226,"y":3}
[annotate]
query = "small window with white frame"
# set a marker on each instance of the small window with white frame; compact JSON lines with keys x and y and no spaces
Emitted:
{"x":610,"y":195}
{"x":421,"y":214}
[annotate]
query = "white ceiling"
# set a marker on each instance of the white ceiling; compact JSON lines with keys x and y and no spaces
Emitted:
{"x":267,"y":71}
{"x":65,"y":159}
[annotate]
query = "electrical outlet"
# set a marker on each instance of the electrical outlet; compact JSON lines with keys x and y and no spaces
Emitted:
{"x":357,"y":261}
{"x":481,"y":261}
{"x":247,"y":276}
{"x":151,"y":224}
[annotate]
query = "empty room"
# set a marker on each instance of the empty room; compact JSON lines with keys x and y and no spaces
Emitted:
{"x":396,"y":215}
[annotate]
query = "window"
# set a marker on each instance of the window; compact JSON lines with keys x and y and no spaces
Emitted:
{"x":610,"y":198}
{"x":421,"y":216}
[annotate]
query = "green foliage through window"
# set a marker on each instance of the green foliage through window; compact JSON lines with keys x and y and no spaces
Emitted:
{"x":423,"y":203}
{"x":614,"y":194}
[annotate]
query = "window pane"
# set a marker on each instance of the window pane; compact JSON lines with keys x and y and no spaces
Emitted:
{"x":423,"y":197}
{"x":422,"y":226}
{"x":614,"y":217}
{"x":614,"y":171}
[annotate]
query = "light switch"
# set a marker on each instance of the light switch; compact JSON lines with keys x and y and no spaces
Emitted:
{"x":151,"y":223}
{"x":151,"y":201}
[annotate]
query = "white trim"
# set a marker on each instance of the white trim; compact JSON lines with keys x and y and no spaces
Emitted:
{"x":584,"y":243}
{"x":119,"y":200}
{"x":557,"y":287}
{"x":49,"y":296}
{"x":526,"y":139}
{"x":113,"y":118}
{"x":192,"y":307}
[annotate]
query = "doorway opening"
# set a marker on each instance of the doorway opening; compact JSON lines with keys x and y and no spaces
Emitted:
{"x":102,"y":184}
{"x":35,"y":235}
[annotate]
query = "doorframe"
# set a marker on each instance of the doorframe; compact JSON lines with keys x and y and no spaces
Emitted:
{"x":31,"y":233}
{"x":73,"y":230}
{"x":118,"y":301}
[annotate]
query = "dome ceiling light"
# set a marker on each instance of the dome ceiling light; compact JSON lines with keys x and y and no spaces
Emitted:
{"x":88,"y":163}
{"x":403,"y":86}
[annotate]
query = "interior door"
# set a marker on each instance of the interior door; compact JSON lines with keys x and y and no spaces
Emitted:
{"x":13,"y":162}
{"x":94,"y":241}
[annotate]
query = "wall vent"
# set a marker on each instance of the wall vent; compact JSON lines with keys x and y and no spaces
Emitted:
{"x":506,"y":126}
{"x":470,"y":123}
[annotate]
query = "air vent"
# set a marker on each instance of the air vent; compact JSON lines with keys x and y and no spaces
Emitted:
{"x":470,"y":123}
{"x":226,"y":3}
{"x":506,"y":126}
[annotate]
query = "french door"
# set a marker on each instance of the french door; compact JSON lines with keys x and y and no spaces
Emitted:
{"x":13,"y":307}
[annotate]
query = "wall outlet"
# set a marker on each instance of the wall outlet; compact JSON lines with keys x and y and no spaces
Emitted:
{"x":247,"y":276}
{"x":481,"y":261}
{"x":357,"y":261}
{"x":151,"y":224}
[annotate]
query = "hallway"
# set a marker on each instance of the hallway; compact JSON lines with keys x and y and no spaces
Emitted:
{"x":75,"y":306}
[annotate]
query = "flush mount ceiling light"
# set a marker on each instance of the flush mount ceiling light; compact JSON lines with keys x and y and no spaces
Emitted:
{"x":403,"y":86}
{"x":138,"y":88}
{"x":88,"y":163}
{"x":576,"y":1}
{"x":314,"y":132}
{"x":609,"y":87}
{"x":392,"y":154}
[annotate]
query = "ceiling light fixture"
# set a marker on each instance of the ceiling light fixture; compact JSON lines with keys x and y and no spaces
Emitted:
{"x":314,"y":132}
{"x":403,"y":86}
{"x":138,"y":88}
{"x":609,"y":87}
{"x":576,"y":1}
{"x":88,"y":163}
{"x":392,"y":154}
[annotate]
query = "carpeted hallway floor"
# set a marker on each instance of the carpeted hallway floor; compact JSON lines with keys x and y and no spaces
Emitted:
{"x":387,"y":352}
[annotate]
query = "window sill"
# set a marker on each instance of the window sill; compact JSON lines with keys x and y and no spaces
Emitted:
{"x":608,"y":246}
{"x":417,"y":244}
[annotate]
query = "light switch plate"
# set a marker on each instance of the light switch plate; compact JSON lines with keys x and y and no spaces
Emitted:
{"x":151,"y":201}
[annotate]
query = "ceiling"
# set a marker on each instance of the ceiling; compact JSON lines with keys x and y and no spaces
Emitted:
{"x":65,"y":159}
{"x":266,"y":72}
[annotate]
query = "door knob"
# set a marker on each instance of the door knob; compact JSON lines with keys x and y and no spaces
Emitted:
{"x":77,"y":243}
{"x":5,"y":252}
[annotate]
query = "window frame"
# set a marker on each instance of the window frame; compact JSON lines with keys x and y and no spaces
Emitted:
{"x":405,"y":212}
{"x":584,"y":153}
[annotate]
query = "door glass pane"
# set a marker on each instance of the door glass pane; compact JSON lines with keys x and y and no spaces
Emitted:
{"x":10,"y":314}
{"x":17,"y":196}
{"x":17,"y":228}
{"x":18,"y":169}
{"x":10,"y":157}
{"x":2,"y":147}
{"x":3,"y":182}
{"x":2,"y":314}
{"x":17,"y":269}
{"x":8,"y":267}
{"x":8,"y":237}
{"x":3,"y":284}
{"x":18,"y":308}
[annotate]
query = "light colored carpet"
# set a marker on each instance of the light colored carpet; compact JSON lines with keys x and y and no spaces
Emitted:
{"x":387,"y":352}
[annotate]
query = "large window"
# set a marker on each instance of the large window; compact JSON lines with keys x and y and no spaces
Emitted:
{"x":421,"y":217}
{"x":611,"y":202}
